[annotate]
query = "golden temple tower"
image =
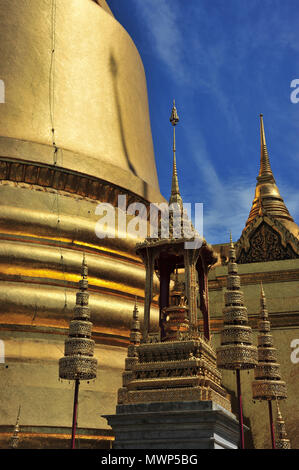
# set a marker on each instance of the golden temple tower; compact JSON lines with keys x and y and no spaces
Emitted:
{"x":267,"y":197}
{"x":74,"y":132}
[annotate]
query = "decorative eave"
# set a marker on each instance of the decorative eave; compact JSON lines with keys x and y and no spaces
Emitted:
{"x":159,"y":244}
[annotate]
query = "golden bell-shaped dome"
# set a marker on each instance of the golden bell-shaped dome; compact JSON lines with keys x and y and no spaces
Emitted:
{"x":74,"y":132}
{"x":75,"y":79}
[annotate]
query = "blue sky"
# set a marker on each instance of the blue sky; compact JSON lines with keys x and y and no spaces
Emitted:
{"x":224,"y":62}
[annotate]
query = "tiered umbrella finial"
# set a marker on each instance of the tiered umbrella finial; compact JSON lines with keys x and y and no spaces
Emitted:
{"x":78,"y":362}
{"x":267,"y":384}
{"x":236,"y":351}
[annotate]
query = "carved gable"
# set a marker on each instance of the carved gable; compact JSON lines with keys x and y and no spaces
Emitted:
{"x":266,"y":239}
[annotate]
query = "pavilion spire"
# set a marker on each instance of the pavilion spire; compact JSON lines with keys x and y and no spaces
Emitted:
{"x":175,"y":191}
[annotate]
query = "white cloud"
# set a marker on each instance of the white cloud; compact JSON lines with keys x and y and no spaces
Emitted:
{"x":228,"y":201}
{"x":161,"y":19}
{"x":180,"y":50}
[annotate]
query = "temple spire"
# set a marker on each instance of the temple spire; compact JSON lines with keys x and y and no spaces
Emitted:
{"x":265,"y":173}
{"x":175,"y":191}
{"x":267,"y":200}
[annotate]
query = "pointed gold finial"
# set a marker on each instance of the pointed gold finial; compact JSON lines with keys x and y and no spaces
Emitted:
{"x":174,"y":118}
{"x":175,"y":191}
{"x":265,"y":168}
{"x":231,"y":239}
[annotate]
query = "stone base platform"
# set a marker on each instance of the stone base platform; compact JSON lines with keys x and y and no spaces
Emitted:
{"x":174,"y":425}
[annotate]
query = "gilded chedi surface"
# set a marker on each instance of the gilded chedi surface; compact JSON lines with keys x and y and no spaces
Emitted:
{"x":96,"y":107}
{"x":74,"y":131}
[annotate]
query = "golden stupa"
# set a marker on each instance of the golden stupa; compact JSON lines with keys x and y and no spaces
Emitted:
{"x":74,"y":131}
{"x":267,"y":198}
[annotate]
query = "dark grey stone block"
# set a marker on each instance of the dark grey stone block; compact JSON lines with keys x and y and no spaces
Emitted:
{"x":174,"y":425}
